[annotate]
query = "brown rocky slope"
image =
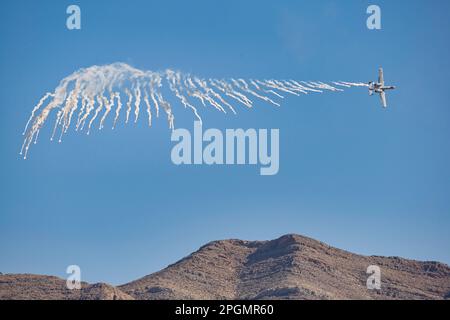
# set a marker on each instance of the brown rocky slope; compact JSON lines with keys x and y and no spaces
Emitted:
{"x":290,"y":267}
{"x":37,"y":287}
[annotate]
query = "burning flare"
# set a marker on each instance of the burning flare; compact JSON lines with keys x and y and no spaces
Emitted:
{"x":95,"y":92}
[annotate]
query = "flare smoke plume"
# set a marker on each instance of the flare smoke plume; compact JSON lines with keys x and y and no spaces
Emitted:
{"x":94,"y":93}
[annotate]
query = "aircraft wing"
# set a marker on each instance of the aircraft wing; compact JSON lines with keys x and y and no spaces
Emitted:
{"x":383,"y":99}
{"x":381,"y":76}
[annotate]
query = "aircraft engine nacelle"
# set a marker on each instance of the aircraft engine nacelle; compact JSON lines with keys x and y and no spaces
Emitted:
{"x":371,"y":88}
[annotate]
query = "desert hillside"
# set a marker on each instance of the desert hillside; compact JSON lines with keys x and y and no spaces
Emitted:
{"x":290,"y":267}
{"x":37,"y":287}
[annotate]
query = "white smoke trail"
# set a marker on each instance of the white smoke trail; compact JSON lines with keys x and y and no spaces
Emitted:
{"x":241,"y":84}
{"x":84,"y":92}
{"x":342,"y":84}
{"x":354,"y":84}
{"x":267,"y":91}
{"x":36,"y":108}
{"x":84,"y":102}
{"x":149,"y":112}
{"x":210,"y":92}
{"x":130,"y":99}
{"x":119,"y":107}
{"x":174,"y":83}
{"x":97,"y":111}
{"x":194,"y":92}
{"x":271,"y":85}
{"x":229,"y":91}
{"x":89,"y":108}
{"x":137,"y":103}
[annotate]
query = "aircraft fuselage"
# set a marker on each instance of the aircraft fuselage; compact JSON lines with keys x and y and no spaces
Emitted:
{"x":380,"y":89}
{"x":377,"y":87}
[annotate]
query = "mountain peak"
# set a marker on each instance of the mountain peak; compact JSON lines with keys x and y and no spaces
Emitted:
{"x":289,"y":267}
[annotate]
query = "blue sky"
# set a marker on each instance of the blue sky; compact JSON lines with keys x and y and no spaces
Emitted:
{"x":364,"y":179}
